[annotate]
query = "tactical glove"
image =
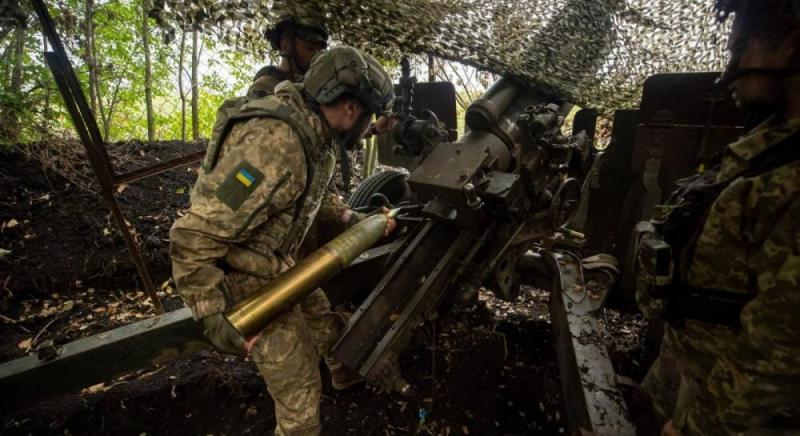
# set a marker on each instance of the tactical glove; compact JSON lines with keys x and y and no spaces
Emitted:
{"x":222,"y":334}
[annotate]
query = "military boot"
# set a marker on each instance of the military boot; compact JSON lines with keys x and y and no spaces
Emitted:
{"x":342,"y":377}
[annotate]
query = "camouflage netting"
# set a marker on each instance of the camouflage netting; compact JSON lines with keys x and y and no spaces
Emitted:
{"x":592,"y":52}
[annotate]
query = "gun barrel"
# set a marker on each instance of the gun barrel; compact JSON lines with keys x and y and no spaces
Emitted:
{"x":256,"y":312}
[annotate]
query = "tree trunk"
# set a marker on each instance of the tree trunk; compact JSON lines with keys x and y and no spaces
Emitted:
{"x":106,"y":114}
{"x":8,"y":61}
{"x":46,"y":113}
{"x":9,"y":122}
{"x":19,"y":54}
{"x":89,"y":53}
{"x":431,"y":69}
{"x":181,"y":91}
{"x":195,"y":87}
{"x":148,"y":79}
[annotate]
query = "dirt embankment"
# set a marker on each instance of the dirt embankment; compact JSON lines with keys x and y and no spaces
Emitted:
{"x":59,"y":237}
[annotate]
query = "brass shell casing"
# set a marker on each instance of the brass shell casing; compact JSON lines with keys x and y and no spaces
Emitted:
{"x":256,"y":312}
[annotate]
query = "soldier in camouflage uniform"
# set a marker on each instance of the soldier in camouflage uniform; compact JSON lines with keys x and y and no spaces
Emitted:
{"x":297,"y":38}
{"x":710,"y":377}
{"x":251,"y":206}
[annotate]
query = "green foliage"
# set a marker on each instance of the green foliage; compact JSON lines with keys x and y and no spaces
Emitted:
{"x":120,"y":66}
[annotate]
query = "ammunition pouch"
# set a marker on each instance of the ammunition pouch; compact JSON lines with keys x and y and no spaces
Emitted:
{"x":655,"y":260}
{"x":675,"y":300}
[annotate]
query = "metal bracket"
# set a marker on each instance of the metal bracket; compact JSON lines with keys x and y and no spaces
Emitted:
{"x":589,"y":386}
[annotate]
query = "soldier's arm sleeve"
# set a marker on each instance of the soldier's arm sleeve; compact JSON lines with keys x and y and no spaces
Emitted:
{"x":333,"y":209}
{"x":759,"y":375}
{"x":262,"y":172}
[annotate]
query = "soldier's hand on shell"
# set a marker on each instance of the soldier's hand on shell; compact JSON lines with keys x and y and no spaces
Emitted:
{"x":351,"y":217}
{"x":669,"y":429}
{"x":248,"y":346}
{"x":391,"y":224}
{"x":223,"y":336}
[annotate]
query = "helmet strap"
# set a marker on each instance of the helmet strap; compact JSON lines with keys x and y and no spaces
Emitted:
{"x":291,"y":55}
{"x":732,"y":74}
{"x":348,"y":143}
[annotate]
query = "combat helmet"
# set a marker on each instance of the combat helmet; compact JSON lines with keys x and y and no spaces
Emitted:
{"x":345,"y":70}
{"x":299,"y":23}
{"x":756,"y":16}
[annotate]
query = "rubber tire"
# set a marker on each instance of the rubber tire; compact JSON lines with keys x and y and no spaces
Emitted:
{"x":390,"y":183}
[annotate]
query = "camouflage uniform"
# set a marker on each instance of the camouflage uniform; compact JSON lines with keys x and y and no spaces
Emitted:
{"x":243,"y":229}
{"x":711,"y":379}
{"x":264,"y":83}
{"x":324,"y":325}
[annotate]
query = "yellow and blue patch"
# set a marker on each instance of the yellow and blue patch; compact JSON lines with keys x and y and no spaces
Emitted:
{"x":245,"y":177}
{"x":239,"y":184}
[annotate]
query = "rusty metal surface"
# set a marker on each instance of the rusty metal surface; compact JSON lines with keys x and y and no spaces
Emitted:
{"x":591,"y":397}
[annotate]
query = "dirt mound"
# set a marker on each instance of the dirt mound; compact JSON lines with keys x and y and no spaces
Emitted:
{"x":58,"y":236}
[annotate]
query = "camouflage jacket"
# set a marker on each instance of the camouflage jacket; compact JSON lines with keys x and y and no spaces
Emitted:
{"x":264,"y":83}
{"x":750,"y":243}
{"x":233,"y":239}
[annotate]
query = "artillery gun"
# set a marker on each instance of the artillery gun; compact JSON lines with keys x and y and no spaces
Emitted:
{"x":509,"y":185}
{"x":493,"y":208}
{"x":504,"y":205}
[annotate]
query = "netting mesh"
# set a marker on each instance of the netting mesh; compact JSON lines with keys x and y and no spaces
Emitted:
{"x":592,"y":52}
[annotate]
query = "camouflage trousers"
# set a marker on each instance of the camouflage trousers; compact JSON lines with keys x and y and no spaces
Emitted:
{"x":675,"y":388}
{"x":287,"y":356}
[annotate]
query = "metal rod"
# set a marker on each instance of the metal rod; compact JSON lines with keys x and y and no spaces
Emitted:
{"x":85,"y":115}
{"x":86,"y":126}
{"x":159,"y":168}
{"x":133,"y":249}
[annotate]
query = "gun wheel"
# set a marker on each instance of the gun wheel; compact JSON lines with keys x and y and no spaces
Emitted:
{"x":378,"y":189}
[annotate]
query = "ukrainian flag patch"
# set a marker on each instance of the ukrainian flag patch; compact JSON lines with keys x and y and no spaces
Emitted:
{"x":245,"y":177}
{"x":239,"y":184}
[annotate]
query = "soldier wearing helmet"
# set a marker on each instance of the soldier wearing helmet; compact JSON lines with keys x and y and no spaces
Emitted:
{"x":730,"y":356}
{"x":301,"y":37}
{"x":298,"y":38}
{"x":251,"y":208}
